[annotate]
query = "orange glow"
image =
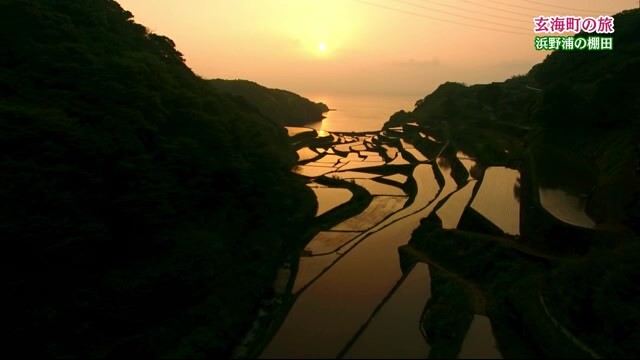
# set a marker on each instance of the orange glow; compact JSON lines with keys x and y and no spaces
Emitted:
{"x":396,"y":47}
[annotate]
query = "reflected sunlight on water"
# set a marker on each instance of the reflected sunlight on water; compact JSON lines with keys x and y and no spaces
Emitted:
{"x":360,"y":112}
{"x":566,"y":207}
{"x":496,"y":200}
{"x":330,"y":198}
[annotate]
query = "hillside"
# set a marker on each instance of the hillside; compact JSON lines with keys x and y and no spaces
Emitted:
{"x":285,"y":107}
{"x":581,"y":104}
{"x":142,"y":212}
{"x":571,"y":124}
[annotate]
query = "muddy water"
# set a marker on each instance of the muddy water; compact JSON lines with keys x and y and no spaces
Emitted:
{"x":328,"y":313}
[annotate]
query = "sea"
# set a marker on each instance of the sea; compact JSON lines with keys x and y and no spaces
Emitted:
{"x":360,"y":112}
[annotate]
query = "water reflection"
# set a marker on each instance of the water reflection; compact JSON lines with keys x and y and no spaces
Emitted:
{"x":472,"y":166}
{"x":376,"y":158}
{"x":399,"y":178}
{"x":332,"y":309}
{"x":310,"y":267}
{"x":307,"y":154}
{"x":496,"y":201}
{"x":377,"y":188}
{"x":328,"y":241}
{"x":332,"y":159}
{"x":352,"y":175}
{"x":348,"y":146}
{"x":566,"y":207}
{"x":391,"y":151}
{"x":323,"y":133}
{"x":359,"y":112}
{"x":399,"y":160}
{"x":462,"y":155}
{"x":312,"y":171}
{"x":351,"y":165}
{"x":451,"y":212}
{"x":330,"y":198}
{"x":369,"y":153}
{"x":419,"y":156}
{"x":320,"y":164}
{"x":293,"y":130}
{"x":394,"y":331}
{"x":379,"y":208}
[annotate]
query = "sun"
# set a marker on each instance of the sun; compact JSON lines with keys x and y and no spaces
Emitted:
{"x":322,"y":47}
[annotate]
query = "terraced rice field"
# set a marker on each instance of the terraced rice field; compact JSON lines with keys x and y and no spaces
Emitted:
{"x":352,"y":297}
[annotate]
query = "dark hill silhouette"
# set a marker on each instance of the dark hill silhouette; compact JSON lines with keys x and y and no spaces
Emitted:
{"x":141,"y":211}
{"x":283,"y":106}
{"x":594,"y":87}
{"x":576,"y":117}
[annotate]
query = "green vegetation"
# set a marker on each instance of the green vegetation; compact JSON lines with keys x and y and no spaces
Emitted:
{"x":283,"y":106}
{"x":142,"y":212}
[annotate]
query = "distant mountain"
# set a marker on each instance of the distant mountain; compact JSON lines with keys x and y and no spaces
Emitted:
{"x":142,"y":213}
{"x":285,"y":107}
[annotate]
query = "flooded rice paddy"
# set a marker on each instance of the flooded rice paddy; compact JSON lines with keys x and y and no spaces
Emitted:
{"x":330,"y":198}
{"x":352,"y":298}
{"x":497,"y":199}
{"x":567,"y":207}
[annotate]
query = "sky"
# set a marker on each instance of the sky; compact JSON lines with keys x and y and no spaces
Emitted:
{"x":394,"y":47}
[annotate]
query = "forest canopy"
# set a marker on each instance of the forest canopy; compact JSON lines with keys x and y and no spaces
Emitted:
{"x":136,"y":201}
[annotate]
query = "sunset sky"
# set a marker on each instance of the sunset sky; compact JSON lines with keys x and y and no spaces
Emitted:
{"x":358,"y":46}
